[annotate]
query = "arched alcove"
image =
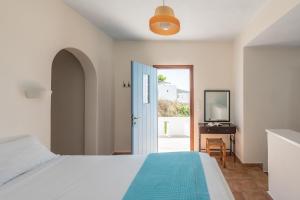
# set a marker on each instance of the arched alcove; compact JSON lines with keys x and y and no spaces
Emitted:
{"x":90,"y":100}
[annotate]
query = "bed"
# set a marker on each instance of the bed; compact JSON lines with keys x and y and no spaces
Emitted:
{"x":94,"y":177}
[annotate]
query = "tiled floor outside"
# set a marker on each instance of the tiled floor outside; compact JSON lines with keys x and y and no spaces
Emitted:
{"x":173,"y":144}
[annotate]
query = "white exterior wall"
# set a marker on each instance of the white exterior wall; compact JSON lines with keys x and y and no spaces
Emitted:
{"x":167,"y":92}
{"x":183,"y":97}
{"x":177,"y":126}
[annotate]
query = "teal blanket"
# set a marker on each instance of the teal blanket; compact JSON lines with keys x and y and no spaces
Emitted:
{"x":169,"y":176}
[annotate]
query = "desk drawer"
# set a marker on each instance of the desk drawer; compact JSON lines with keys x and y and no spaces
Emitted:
{"x":218,"y":130}
{"x":229,"y":130}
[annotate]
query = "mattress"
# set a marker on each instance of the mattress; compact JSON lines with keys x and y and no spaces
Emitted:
{"x":95,"y":177}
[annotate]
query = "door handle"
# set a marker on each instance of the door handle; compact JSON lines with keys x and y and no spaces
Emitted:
{"x":133,"y":119}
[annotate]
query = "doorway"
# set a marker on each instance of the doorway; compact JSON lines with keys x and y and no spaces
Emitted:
{"x":143,"y":108}
{"x":67,"y":105}
{"x":175,"y":108}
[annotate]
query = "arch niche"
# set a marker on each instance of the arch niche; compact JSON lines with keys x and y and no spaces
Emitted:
{"x":90,"y":100}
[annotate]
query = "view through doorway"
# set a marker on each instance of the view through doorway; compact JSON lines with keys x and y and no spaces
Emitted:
{"x":175,"y":111}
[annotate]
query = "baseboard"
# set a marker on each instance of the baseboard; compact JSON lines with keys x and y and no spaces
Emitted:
{"x":204,"y":150}
{"x":269,"y":193}
{"x":217,"y":152}
{"x":260,"y":165}
{"x":121,"y":153}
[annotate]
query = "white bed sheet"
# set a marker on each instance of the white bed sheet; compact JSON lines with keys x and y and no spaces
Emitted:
{"x":95,"y":178}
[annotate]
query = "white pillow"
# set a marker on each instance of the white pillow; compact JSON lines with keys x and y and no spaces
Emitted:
{"x":21,"y":155}
{"x":9,"y":139}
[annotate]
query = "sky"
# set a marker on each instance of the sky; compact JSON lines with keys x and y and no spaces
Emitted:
{"x":178,"y":77}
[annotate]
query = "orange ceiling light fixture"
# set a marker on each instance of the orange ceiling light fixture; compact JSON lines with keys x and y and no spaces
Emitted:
{"x":164,"y":21}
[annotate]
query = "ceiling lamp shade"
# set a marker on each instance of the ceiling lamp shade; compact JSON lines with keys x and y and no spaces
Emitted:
{"x":164,"y":21}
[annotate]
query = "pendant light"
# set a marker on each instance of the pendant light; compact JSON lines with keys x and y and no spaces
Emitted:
{"x":164,"y":21}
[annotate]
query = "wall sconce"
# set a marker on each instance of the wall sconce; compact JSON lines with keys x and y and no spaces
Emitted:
{"x":35,"y":91}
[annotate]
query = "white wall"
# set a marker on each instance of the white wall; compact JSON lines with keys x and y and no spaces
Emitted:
{"x":32,"y":32}
{"x":271,"y":96}
{"x":238,"y":76}
{"x":268,"y":15}
{"x":213,"y":69}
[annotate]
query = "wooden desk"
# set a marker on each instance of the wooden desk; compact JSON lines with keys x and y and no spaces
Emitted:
{"x":226,"y":128}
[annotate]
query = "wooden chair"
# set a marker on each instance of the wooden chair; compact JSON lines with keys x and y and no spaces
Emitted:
{"x":217,"y":143}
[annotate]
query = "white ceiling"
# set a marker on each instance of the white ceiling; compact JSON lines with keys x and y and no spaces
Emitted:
{"x":285,"y":32}
{"x":200,"y":19}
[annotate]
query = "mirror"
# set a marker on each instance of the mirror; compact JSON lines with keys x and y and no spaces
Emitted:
{"x":217,"y":106}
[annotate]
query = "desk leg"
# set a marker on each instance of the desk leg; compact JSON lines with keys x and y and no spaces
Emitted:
{"x":234,"y":148}
{"x":199,"y":142}
{"x":230,"y":139}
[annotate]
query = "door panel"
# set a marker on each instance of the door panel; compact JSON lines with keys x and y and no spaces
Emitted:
{"x":144,"y":108}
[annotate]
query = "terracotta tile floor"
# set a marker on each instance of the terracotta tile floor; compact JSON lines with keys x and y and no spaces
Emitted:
{"x":246,"y":182}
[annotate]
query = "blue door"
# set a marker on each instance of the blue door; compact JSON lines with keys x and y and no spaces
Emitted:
{"x":143,"y":108}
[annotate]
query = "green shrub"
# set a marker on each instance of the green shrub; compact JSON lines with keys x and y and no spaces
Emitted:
{"x":183,"y":110}
{"x":173,"y":109}
{"x":161,"y":78}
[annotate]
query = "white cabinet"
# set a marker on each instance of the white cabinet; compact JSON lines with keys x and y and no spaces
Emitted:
{"x":284,"y":164}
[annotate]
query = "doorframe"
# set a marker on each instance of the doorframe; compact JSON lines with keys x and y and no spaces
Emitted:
{"x":192,"y":116}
